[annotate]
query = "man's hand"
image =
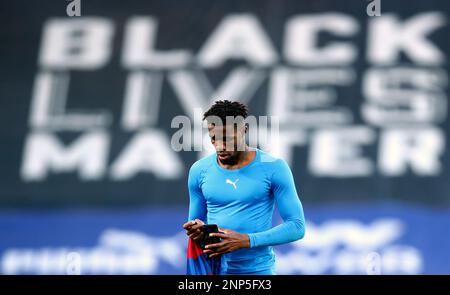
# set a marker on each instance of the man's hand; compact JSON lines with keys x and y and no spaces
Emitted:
{"x":194,"y":229}
{"x":231,"y":241}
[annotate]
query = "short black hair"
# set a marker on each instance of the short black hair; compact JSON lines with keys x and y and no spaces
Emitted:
{"x":225,"y":108}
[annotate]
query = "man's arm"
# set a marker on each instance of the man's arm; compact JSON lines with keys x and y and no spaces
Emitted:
{"x":197,"y":205}
{"x":289,"y":207}
{"x":197,"y":202}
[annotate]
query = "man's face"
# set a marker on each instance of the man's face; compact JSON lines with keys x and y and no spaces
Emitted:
{"x":228,"y":141}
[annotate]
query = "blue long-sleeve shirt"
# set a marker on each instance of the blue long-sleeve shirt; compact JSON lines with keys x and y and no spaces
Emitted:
{"x":243,"y":200}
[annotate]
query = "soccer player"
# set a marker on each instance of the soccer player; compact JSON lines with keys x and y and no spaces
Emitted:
{"x":236,"y":188}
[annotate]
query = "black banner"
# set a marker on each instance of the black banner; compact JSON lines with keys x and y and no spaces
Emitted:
{"x":87,"y":102}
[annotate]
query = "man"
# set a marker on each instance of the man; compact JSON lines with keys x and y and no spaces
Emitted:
{"x":236,"y":188}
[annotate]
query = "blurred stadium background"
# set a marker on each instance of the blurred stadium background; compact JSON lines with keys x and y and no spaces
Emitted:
{"x":89,"y":183}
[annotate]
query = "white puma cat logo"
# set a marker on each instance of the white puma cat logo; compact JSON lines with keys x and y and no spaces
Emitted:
{"x":232,"y":183}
